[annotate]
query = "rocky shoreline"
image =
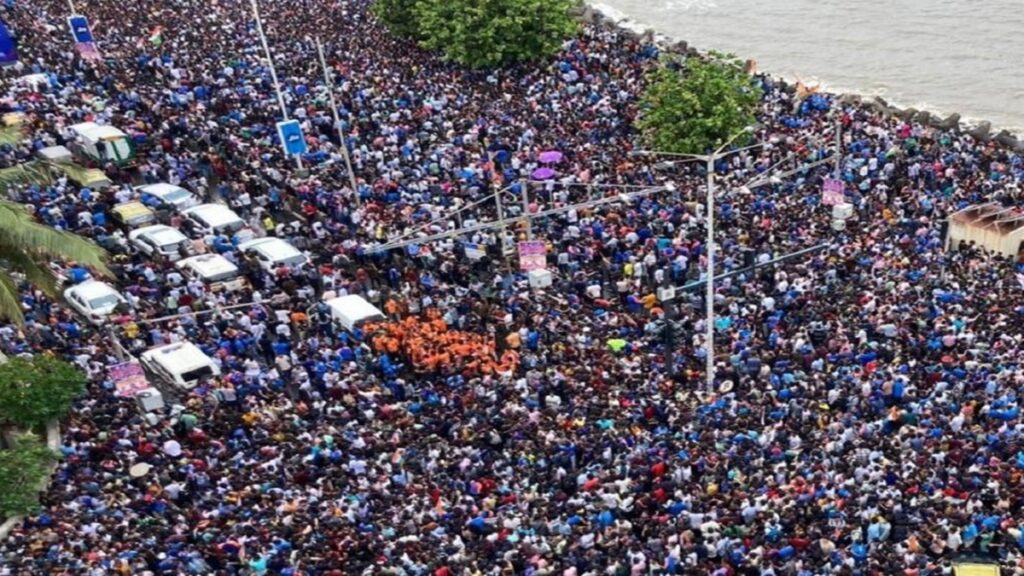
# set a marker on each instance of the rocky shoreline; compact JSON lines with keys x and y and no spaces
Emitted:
{"x":982,"y":131}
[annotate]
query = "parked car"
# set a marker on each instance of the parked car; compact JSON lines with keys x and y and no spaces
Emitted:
{"x":271,"y":253}
{"x":216,"y":219}
{"x":167,"y":197}
{"x":132,"y":215}
{"x":94,"y":299}
{"x":215,"y":271}
{"x":162,"y":242}
{"x":181,"y":364}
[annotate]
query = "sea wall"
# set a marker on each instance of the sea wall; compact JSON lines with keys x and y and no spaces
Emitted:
{"x":981,"y":131}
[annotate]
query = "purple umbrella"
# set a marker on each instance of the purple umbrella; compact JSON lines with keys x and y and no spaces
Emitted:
{"x":543,"y":174}
{"x":551,"y":157}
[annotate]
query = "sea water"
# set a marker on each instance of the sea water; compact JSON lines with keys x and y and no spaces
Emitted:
{"x":943,"y":56}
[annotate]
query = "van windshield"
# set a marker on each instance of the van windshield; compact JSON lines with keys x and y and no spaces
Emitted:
{"x":198,"y":373}
{"x":222,"y":277}
{"x":293,"y":261}
{"x":229,"y":228}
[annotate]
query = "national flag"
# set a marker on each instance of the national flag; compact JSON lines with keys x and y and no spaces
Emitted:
{"x":156,"y":36}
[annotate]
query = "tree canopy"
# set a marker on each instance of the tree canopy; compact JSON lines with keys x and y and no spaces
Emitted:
{"x":26,"y":246}
{"x":697,"y":106}
{"x":23,"y":468}
{"x":398,"y":16}
{"x":483,"y":33}
{"x":36,"y":390}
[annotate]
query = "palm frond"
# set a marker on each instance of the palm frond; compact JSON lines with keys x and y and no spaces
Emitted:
{"x":25,"y":174}
{"x":11,"y":135}
{"x":74,"y":172}
{"x":10,"y":301}
{"x":39,"y":275}
{"x":20,"y":234}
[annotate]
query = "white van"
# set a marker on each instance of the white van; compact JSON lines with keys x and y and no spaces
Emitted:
{"x":158,"y":241}
{"x":214,"y":270}
{"x":272,"y":252}
{"x":103,"y":143}
{"x":207,"y":219}
{"x":352,"y":311}
{"x":163,"y":196}
{"x":182,"y":364}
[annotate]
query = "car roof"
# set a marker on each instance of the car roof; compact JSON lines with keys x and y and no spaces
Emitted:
{"x":208,"y":264}
{"x":160,"y":234}
{"x":93,"y":289}
{"x":181,"y":356}
{"x":160,"y":189}
{"x":214,"y":214}
{"x":96,"y":131}
{"x":273,"y":247}
{"x":129,"y":209}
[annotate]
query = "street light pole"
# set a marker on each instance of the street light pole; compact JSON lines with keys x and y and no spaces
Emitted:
{"x":709,"y":345}
{"x":273,"y":70}
{"x":329,"y":82}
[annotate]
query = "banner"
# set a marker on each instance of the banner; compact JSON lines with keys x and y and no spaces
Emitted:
{"x":532,"y":255}
{"x":87,"y":50}
{"x":80,"y":29}
{"x":129,"y":379}
{"x":832,"y":192}
{"x":291,"y":136}
{"x":8,"y":47}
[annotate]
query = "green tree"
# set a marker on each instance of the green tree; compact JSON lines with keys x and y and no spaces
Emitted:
{"x":489,"y":33}
{"x":697,"y":107}
{"x":398,"y":16}
{"x":26,"y":246}
{"x":36,"y":390}
{"x":23,"y":468}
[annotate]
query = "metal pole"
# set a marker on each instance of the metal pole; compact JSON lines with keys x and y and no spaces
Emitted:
{"x":502,"y":231}
{"x":709,"y":344}
{"x":669,"y":330}
{"x":329,"y":81}
{"x":839,"y":144}
{"x":71,"y":4}
{"x":115,"y":343}
{"x":525,"y":184}
{"x":273,"y":70}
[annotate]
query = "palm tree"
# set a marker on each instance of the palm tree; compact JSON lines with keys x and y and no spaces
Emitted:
{"x":25,"y":248}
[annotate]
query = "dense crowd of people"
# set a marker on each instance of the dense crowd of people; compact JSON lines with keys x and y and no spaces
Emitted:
{"x":865,"y":413}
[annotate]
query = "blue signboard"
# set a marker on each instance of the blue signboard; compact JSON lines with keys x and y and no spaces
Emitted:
{"x":80,"y":29}
{"x":8,"y":47}
{"x":291,"y":136}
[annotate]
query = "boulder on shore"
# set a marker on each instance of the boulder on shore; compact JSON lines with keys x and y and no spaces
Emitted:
{"x":952,"y":122}
{"x":1007,"y":140}
{"x":680,"y":47}
{"x":924,"y":118}
{"x":981,"y":132}
{"x":907,"y":115}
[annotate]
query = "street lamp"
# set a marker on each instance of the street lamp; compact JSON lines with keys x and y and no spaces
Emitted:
{"x":710,"y":159}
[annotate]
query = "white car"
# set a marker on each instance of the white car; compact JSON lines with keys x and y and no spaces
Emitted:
{"x":181,"y":363}
{"x":159,"y":241}
{"x":167,"y":196}
{"x":214,"y":270}
{"x":207,"y":219}
{"x":273,"y":252}
{"x":94,"y":299}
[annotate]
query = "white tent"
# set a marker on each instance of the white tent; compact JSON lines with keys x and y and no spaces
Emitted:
{"x":991,"y":226}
